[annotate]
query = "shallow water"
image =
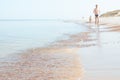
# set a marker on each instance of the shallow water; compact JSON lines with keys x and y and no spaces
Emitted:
{"x":16,"y":36}
{"x":44,"y":62}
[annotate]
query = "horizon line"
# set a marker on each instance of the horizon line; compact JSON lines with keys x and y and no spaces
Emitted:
{"x":36,"y":19}
{"x":26,"y":19}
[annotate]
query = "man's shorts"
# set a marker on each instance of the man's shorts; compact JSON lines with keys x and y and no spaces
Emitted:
{"x":96,"y":15}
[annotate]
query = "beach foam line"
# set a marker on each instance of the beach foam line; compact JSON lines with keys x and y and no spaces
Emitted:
{"x":45,"y":64}
{"x":55,"y":62}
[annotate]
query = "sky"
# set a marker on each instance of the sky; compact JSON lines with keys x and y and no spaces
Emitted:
{"x":53,"y":9}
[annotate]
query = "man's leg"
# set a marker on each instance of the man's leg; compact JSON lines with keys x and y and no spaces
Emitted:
{"x":97,"y":20}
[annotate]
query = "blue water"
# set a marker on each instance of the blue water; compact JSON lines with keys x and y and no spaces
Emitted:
{"x":16,"y":36}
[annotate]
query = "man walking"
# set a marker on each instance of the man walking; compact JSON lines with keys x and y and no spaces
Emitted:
{"x":96,"y":13}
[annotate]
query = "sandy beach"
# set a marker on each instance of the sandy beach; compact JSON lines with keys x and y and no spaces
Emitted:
{"x":76,"y":58}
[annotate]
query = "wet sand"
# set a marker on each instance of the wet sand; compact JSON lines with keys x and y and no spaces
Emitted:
{"x":101,"y":62}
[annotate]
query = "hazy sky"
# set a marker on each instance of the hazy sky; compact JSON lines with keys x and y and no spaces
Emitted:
{"x":53,"y":9}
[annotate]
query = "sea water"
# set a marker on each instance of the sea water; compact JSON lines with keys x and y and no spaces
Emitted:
{"x":18,"y":35}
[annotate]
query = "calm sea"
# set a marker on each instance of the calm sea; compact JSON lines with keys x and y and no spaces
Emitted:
{"x":18,"y":35}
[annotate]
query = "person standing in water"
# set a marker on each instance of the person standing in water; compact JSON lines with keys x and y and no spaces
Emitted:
{"x":90,"y":19}
{"x":96,"y":13}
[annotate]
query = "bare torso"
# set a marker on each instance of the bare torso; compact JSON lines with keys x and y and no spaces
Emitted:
{"x":96,"y":11}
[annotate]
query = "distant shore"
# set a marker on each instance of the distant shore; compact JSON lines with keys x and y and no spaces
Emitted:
{"x":110,"y":21}
{"x":113,"y":23}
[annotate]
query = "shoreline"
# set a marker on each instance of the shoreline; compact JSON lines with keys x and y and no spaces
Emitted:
{"x":58,"y":61}
{"x":102,"y":61}
{"x":43,"y":63}
{"x":55,"y":62}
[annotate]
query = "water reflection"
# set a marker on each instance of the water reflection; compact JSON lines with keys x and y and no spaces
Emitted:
{"x":101,"y":62}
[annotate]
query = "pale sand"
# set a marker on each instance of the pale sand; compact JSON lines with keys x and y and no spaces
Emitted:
{"x":110,"y":21}
{"x":113,"y":23}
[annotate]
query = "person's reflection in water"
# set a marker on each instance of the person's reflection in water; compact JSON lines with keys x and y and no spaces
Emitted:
{"x":98,"y":36}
